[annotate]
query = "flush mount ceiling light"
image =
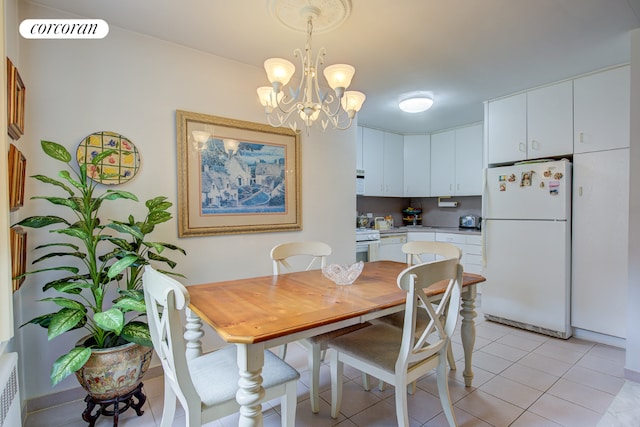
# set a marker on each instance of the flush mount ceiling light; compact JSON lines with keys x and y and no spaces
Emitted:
{"x":307,"y":103}
{"x":416,"y":104}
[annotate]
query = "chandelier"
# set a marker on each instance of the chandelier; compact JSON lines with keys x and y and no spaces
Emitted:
{"x":308,"y":103}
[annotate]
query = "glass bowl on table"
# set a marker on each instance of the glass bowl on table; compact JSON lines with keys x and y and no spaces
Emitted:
{"x":342,"y":274}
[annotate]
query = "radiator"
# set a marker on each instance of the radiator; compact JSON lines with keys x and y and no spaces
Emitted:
{"x":9,"y":396}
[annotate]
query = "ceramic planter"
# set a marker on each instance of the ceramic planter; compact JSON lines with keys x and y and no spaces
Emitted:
{"x":113,"y":372}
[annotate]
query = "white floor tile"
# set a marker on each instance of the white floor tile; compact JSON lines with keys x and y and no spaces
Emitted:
{"x":521,"y":379}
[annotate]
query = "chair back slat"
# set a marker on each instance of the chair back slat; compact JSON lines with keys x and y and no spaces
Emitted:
{"x":419,"y":345}
{"x":165,"y":298}
{"x":416,"y":251}
{"x":316,"y":252}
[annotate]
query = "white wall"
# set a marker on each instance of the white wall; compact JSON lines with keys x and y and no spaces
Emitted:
{"x":132,"y":85}
{"x":632,"y":365}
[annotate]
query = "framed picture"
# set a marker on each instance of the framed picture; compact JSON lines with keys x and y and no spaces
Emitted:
{"x":236,"y":176}
{"x":17,"y":170}
{"x":18,"y":238}
{"x":16,"y":95}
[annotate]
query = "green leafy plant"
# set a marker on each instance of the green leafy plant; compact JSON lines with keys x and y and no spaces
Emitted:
{"x":107,"y":256}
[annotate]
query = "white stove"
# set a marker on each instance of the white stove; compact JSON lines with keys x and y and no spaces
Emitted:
{"x":367,"y":243}
{"x":367,"y":235}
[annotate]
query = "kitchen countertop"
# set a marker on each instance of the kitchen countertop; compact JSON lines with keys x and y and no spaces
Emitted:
{"x":432,"y":229}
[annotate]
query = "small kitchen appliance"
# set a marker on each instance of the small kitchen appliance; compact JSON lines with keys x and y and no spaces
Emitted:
{"x":470,"y":221}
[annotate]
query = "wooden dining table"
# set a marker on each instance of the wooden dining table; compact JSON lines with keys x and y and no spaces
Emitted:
{"x":262,"y":312}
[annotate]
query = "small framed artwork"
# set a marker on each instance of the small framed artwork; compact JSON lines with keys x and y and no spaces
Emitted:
{"x":236,"y":176}
{"x":18,"y":240}
{"x":16,"y":96}
{"x":17,"y":171}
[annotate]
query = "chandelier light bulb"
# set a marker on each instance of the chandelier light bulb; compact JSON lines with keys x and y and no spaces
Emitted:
{"x":279,"y":71}
{"x":339,"y":75}
{"x":352,"y":101}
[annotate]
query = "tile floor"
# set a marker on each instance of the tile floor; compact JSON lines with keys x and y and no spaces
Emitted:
{"x":522,"y":379}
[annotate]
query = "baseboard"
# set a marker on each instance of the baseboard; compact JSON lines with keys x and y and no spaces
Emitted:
{"x":600,"y":338}
{"x":632,"y":375}
{"x":70,"y":395}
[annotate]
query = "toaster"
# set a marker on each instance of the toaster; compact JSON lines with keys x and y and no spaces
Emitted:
{"x":470,"y":221}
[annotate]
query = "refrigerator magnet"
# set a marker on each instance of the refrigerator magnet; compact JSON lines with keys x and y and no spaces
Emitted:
{"x":512,"y":177}
{"x":541,"y":184}
{"x":553,"y":187}
{"x":557,"y":175}
{"x":503,"y":187}
{"x":502,"y":178}
{"x":547,"y":173}
{"x":525,"y":181}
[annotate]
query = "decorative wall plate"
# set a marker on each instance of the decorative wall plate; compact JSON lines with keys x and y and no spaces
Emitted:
{"x":117,"y":168}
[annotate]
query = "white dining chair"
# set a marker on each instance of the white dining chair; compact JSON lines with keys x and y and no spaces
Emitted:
{"x":205,"y":386}
{"x":401,"y":356}
{"x":311,"y":253}
{"x":419,"y":252}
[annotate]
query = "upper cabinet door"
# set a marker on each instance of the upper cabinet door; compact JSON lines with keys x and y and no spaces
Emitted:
{"x":359,"y":149}
{"x":468,"y":164}
{"x":417,"y":166}
{"x":393,"y":164}
{"x":602,"y":110}
{"x":507,"y":129}
{"x":443,"y":165}
{"x":372,"y":161}
{"x":550,"y":121}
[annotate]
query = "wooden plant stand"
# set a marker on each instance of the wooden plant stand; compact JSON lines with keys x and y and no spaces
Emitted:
{"x":120,"y":404}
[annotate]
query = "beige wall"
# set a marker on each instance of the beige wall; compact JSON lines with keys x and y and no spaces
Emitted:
{"x":132,"y":84}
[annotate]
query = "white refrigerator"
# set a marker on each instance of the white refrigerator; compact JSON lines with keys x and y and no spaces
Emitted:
{"x":527,"y":246}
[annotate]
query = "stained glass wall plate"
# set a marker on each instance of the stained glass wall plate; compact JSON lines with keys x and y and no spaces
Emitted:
{"x":119,"y":167}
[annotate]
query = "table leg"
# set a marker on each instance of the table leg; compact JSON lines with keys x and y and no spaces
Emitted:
{"x":250,"y":392}
{"x":192,"y":335}
{"x":468,"y":331}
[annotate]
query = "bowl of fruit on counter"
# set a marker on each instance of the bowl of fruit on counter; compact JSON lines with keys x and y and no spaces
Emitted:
{"x":412,"y":216}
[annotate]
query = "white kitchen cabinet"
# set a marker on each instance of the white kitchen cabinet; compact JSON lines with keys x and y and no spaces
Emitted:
{"x":468,"y":161}
{"x":600,"y":241}
{"x":443,"y":163}
{"x":393,"y":163}
{"x":417,"y":165}
{"x":373,"y":161}
{"x":473,"y":254}
{"x":382,"y":161}
{"x":602,"y":110}
{"x":456,"y":162}
{"x":359,"y":148}
{"x":531,"y":125}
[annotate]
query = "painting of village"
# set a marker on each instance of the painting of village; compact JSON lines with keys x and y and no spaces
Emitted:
{"x":242,"y":178}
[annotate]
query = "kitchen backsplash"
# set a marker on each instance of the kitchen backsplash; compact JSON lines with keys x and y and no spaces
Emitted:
{"x":431,"y":213}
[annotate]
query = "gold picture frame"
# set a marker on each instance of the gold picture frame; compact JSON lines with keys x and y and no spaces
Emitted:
{"x":236,"y":176}
{"x":16,"y":96}
{"x":18,"y":240}
{"x":17,"y":171}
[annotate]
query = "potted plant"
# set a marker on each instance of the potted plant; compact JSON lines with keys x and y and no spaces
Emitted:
{"x":104,"y":257}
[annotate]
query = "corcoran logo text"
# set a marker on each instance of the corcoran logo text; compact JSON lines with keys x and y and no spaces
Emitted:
{"x":64,"y":29}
